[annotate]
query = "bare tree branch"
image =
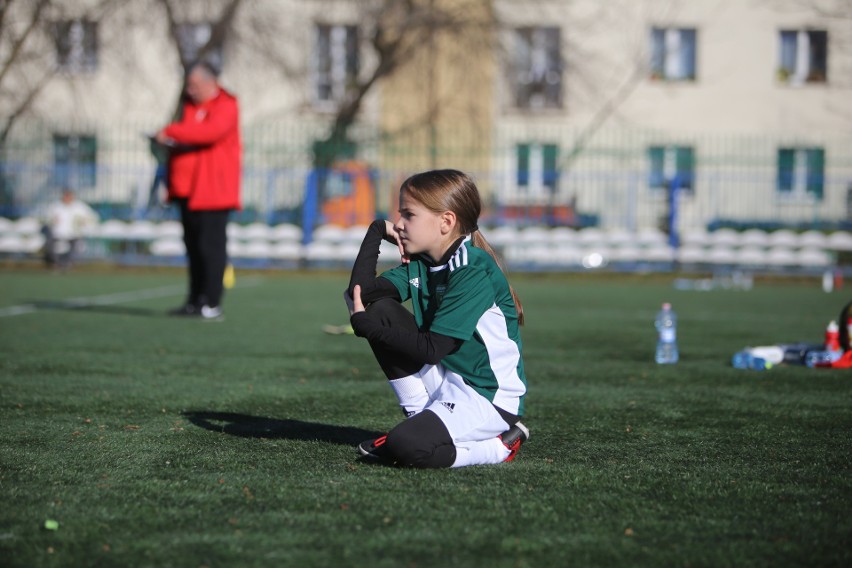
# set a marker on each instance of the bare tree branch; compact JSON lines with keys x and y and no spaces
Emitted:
{"x":221,"y":29}
{"x":23,"y":107}
{"x":20,"y":41}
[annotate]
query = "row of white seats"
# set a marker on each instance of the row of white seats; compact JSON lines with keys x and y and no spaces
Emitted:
{"x":720,"y":255}
{"x":284,"y":250}
{"x":144,"y":230}
{"x":506,"y":235}
{"x":837,"y":240}
{"x":21,"y":244}
{"x":517,"y":255}
{"x":521,"y":255}
{"x":560,"y":245}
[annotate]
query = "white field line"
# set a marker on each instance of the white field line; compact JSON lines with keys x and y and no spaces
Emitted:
{"x":115,"y":298}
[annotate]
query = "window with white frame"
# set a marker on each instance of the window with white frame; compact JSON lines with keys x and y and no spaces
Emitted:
{"x":336,"y":62}
{"x":76,"y":45}
{"x":803,"y":56}
{"x":75,"y":160}
{"x":537,"y":173}
{"x":801,"y":172}
{"x":536,"y":69}
{"x":192,"y":37}
{"x":673,"y":54}
{"x":670,"y":166}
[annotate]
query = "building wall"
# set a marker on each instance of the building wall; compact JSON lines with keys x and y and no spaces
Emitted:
{"x":452,"y":105}
{"x":735,"y":114}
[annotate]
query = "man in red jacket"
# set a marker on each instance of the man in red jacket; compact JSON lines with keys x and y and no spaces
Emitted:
{"x":204,"y":180}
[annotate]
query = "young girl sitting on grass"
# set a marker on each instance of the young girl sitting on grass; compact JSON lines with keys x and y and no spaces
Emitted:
{"x":455,"y":364}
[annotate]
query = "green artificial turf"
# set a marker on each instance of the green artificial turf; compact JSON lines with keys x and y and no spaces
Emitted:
{"x":159,"y":441}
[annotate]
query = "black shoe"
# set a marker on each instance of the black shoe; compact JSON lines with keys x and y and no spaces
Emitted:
{"x":513,"y":438}
{"x":186,"y":310}
{"x":375,"y":450}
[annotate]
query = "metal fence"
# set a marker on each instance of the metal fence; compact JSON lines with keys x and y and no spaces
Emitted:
{"x":622,"y":179}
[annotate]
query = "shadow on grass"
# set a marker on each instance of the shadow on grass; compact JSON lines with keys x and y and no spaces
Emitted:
{"x":261,"y":427}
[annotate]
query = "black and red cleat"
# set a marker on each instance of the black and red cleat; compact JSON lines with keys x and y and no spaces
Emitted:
{"x":375,"y":450}
{"x":513,"y":438}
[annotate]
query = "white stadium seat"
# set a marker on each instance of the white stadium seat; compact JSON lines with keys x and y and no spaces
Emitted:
{"x":533,"y":236}
{"x":235,"y":248}
{"x":329,"y":234}
{"x":501,"y":236}
{"x":619,"y":237}
{"x":691,"y":254}
{"x":167,"y":246}
{"x":563,"y":235}
{"x":27,"y":226}
{"x":839,"y":240}
{"x":698,"y":237}
{"x":12,"y":243}
{"x":169,"y":229}
{"x":355,"y":234}
{"x":348,"y":251}
{"x":721,"y":254}
{"x":389,"y":253}
{"x":234,"y":231}
{"x":141,"y":231}
{"x":651,"y":236}
{"x":780,"y":256}
{"x":320,"y":251}
{"x":591,"y":235}
{"x":113,"y":229}
{"x":286,"y":250}
{"x":286,"y":232}
{"x":813,"y":257}
{"x":658,"y":253}
{"x":754,"y":237}
{"x":783,"y":238}
{"x":567,"y":255}
{"x":255,"y":231}
{"x":724,"y":237}
{"x":812,"y":239}
{"x":626,"y":252}
{"x":256,"y":249}
{"x":751,"y":256}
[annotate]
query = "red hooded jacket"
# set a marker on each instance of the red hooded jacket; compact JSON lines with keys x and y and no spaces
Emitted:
{"x":205,"y":164}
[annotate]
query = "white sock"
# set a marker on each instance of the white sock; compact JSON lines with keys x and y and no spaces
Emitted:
{"x":480,"y":453}
{"x":411,"y":393}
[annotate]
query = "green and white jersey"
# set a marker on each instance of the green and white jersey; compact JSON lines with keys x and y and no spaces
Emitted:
{"x":468,"y":298}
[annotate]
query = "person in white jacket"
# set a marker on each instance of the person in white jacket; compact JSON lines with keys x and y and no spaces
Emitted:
{"x":64,"y":223}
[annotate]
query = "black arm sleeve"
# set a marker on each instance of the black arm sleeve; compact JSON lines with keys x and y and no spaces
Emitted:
{"x":364,"y":269}
{"x":421,"y":346}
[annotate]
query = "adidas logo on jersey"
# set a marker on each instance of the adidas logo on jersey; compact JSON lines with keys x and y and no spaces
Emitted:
{"x":449,"y":405}
{"x":415,"y":282}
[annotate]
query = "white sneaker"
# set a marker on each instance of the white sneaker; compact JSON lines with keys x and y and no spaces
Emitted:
{"x":212,"y":314}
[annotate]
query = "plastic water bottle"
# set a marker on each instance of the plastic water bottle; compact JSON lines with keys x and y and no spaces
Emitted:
{"x":822,"y":358}
{"x":747,"y":359}
{"x":831,"y":351}
{"x":666,"y":324}
{"x":759,"y":358}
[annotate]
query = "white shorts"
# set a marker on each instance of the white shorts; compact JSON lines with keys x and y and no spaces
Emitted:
{"x":468,"y":415}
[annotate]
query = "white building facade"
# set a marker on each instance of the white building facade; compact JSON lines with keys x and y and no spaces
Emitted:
{"x":596,"y":110}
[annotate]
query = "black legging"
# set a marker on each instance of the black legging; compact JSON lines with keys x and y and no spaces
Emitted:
{"x":205,"y":237}
{"x":422,"y":440}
